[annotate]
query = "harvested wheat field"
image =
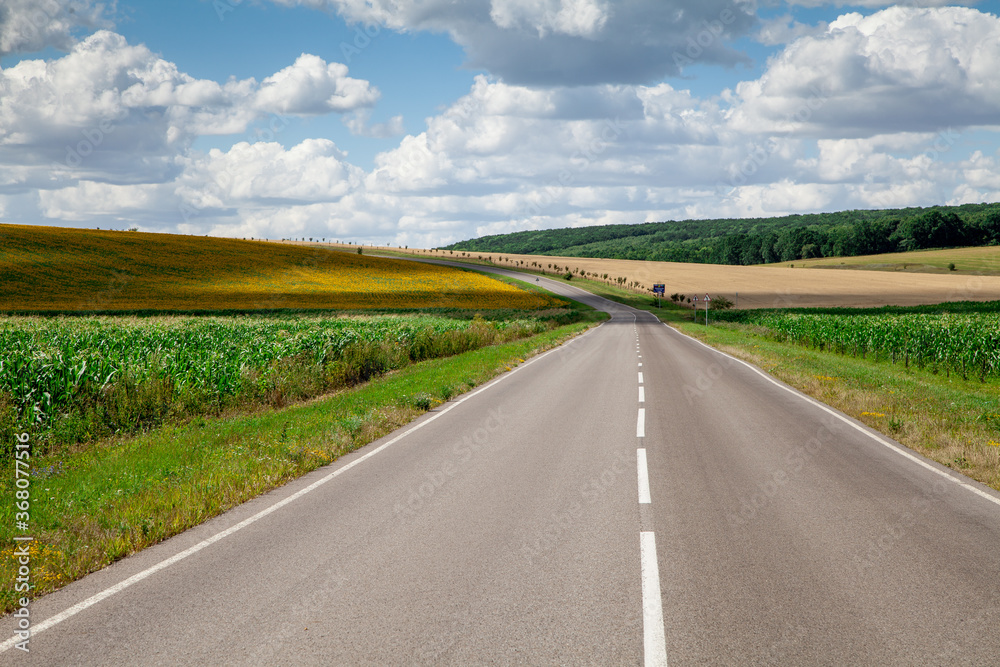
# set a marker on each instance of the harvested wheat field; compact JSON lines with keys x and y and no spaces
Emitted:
{"x":772,"y":286}
{"x":984,"y":260}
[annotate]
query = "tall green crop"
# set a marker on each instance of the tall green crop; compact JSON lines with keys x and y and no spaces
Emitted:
{"x":968,"y":344}
{"x":125,"y":373}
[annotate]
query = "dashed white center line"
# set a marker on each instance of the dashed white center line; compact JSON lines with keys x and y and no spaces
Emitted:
{"x":640,"y":426}
{"x":640,"y":364}
{"x":654,"y":641}
{"x":642,"y":394}
{"x":640,"y":377}
{"x":640,"y":457}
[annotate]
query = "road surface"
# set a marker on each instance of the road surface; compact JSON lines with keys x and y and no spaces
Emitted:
{"x":632,"y":497}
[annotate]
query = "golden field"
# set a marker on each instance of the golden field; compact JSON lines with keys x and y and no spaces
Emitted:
{"x":772,"y":286}
{"x":982,"y":261}
{"x":51,"y":269}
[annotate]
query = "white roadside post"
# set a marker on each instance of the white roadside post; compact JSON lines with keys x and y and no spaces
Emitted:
{"x":706,"y":309}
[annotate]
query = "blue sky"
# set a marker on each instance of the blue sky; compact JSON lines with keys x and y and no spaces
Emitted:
{"x":217,"y":41}
{"x":423,"y":122}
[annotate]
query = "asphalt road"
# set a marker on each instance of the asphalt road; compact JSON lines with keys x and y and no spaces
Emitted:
{"x":631,"y":497}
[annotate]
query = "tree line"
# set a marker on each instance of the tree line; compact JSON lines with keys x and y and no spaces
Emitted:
{"x":762,"y":240}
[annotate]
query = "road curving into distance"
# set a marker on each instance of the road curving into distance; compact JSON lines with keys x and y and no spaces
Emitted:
{"x":631,"y":497}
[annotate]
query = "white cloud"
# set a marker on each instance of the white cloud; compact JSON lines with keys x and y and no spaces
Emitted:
{"x":847,"y":117}
{"x":313,"y":171}
{"x":87,"y":201}
{"x":311,"y":86}
{"x":577,"y":18}
{"x":900,"y":69}
{"x":113,"y":112}
{"x":784,"y":29}
{"x":27,"y":26}
{"x":875,"y":4}
{"x":359,"y":124}
{"x":567,"y":42}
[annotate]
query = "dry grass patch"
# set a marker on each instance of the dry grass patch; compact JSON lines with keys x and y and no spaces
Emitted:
{"x":762,"y":286}
{"x":983,"y":261}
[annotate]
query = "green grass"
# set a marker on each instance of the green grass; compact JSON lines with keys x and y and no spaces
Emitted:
{"x":967,"y":343}
{"x":95,"y":505}
{"x":78,"y":379}
{"x":950,"y":420}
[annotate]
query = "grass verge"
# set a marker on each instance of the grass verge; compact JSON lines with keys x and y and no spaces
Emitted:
{"x":952,"y":421}
{"x":93,"y":506}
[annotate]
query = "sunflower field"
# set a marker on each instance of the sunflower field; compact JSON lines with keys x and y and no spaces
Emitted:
{"x":46,"y":269}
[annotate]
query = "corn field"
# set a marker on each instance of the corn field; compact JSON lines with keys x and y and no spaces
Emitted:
{"x":967,"y":344}
{"x":71,"y":379}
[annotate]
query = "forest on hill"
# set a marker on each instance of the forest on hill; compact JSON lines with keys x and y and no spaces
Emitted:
{"x":761,"y":240}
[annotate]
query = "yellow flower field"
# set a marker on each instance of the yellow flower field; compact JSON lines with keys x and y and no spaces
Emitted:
{"x":58,"y":269}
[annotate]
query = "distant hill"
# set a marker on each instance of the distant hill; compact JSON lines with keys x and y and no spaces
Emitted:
{"x":761,"y":240}
{"x":52,"y":269}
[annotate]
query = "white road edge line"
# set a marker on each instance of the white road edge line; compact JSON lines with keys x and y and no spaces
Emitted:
{"x":654,"y":640}
{"x":136,"y":578}
{"x":640,"y":460}
{"x":640,"y":424}
{"x":882,"y":441}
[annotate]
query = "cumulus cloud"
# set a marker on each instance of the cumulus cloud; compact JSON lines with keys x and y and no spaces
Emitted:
{"x":114,"y":112}
{"x":311,"y":86}
{"x":875,"y":4}
{"x":578,"y":18}
{"x":88,"y":200}
{"x":568,"y":42}
{"x":266,"y":172}
{"x":27,"y":26}
{"x":359,"y":123}
{"x":848,"y":116}
{"x":784,"y":29}
{"x":900,"y":69}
